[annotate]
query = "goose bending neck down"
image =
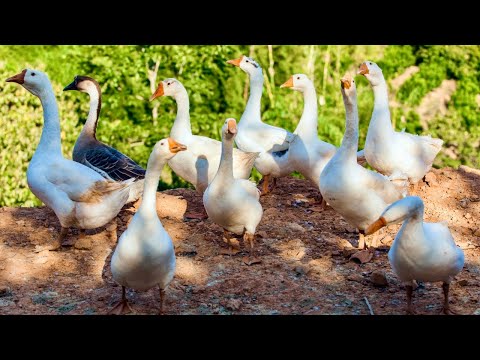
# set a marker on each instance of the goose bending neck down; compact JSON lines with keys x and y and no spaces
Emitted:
{"x":199,"y":164}
{"x":356,"y":193}
{"x":145,"y":256}
{"x":399,"y":155}
{"x":230,"y":202}
{"x":104,"y":159}
{"x":421,"y":251}
{"x":273,"y":143}
{"x":79,"y":196}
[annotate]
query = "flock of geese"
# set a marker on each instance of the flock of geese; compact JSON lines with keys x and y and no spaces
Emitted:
{"x":89,"y":191}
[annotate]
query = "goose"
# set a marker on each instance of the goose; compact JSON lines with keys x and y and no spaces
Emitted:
{"x":107,"y":161}
{"x":309,"y":154}
{"x":421,"y":251}
{"x":79,"y":196}
{"x":199,"y":164}
{"x":273,"y":143}
{"x":233,"y":203}
{"x":145,"y":255}
{"x":395,"y":154}
{"x":358,"y":194}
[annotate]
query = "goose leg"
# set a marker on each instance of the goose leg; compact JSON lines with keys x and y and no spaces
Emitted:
{"x":265,"y":187}
{"x":122,"y":307}
{"x":410,"y":310}
{"x":162,"y":300}
{"x":361,"y":242}
{"x":446,"y":306}
{"x":57,"y":245}
{"x":250,"y":238}
{"x":231,"y":250}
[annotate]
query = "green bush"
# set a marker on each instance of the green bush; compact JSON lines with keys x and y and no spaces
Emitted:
{"x":216,"y":91}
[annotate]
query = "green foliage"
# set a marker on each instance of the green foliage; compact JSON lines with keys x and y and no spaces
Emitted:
{"x":216,"y":91}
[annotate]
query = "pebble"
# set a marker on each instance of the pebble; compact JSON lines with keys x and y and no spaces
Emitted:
{"x":378,"y":278}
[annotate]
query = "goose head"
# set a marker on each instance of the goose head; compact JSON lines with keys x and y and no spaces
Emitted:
{"x":349,"y":89}
{"x":299,"y":82}
{"x":372,"y":72}
{"x":167,"y":148}
{"x":398,"y":212}
{"x":32,"y":80}
{"x":83,"y":84}
{"x":247,"y":64}
{"x":168,"y":87}
{"x":229,"y":129}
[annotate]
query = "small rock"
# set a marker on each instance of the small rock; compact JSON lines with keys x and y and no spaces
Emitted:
{"x":476,"y":312}
{"x":351,"y":229}
{"x":295,"y":227}
{"x":362,"y":256}
{"x":378,"y":278}
{"x":335,"y":253}
{"x":468,"y":216}
{"x":233,"y":304}
{"x":464,"y":203}
{"x":5,"y":291}
{"x":347,"y":252}
{"x":431,"y":179}
{"x":463,"y":282}
{"x":477,"y":232}
{"x":355,"y":277}
{"x":262,"y":234}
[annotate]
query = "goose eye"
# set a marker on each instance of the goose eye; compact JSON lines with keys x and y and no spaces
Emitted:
{"x":161,"y":143}
{"x":248,"y":61}
{"x":33,"y":74}
{"x":169,"y":84}
{"x":298,"y":77}
{"x":370,"y":63}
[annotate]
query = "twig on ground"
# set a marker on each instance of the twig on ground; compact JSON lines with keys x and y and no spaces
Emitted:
{"x":369,"y":306}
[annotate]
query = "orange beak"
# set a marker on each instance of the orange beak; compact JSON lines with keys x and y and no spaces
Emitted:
{"x":363,"y":69}
{"x":288,"y":83}
{"x":175,"y":147}
{"x":19,"y":78}
{"x":345,"y":83}
{"x":235,"y":62}
{"x":158,"y":92}
{"x":377,"y":225}
{"x":232,"y":126}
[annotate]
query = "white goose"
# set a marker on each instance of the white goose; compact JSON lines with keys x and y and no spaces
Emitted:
{"x":79,"y":196}
{"x":398,"y":155}
{"x":145,"y":255}
{"x":309,"y":154}
{"x":107,"y":161}
{"x":230,"y":202}
{"x":273,"y":143}
{"x":199,"y":164}
{"x":356,"y":193}
{"x":421,"y":251}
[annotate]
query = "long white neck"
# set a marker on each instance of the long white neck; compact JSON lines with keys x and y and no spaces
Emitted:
{"x":252,"y":110}
{"x":90,"y":127}
{"x":308,"y":126}
{"x":148,"y":207}
{"x":381,"y":120}
{"x":350,"y":138}
{"x":225,"y":169}
{"x":50,"y":141}
{"x":181,"y":127}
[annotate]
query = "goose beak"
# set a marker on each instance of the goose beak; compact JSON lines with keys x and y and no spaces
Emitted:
{"x":345,"y":83}
{"x":235,"y":62}
{"x":71,"y":86}
{"x":363,"y":69}
{"x":232,"y":126}
{"x":377,"y":225}
{"x":19,"y":78}
{"x":175,"y":147}
{"x":288,"y":83}
{"x":159,"y":92}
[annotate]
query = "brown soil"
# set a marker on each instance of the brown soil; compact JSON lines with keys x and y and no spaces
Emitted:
{"x":305,"y":264}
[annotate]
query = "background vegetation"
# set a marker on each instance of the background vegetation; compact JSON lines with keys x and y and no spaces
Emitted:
{"x":132,"y":124}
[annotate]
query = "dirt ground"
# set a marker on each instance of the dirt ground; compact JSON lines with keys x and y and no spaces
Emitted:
{"x":305,"y":266}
